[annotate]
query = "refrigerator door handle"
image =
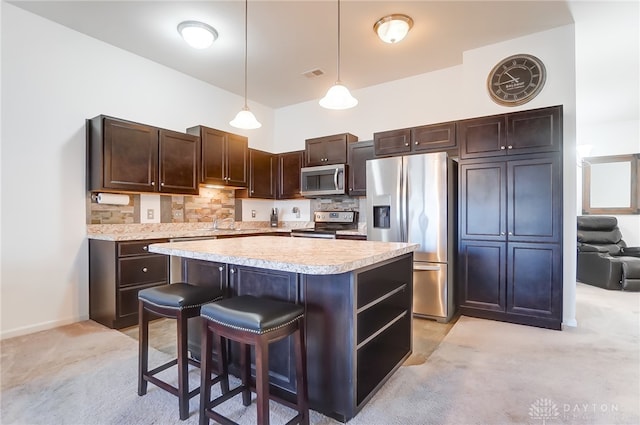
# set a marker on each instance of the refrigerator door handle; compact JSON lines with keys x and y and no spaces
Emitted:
{"x":404,"y":226}
{"x":427,"y":268}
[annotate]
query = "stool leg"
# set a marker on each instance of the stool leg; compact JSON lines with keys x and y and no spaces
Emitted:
{"x":183,"y":366}
{"x":220,"y":347}
{"x":245,"y":373}
{"x":301,"y":374}
{"x":205,"y":372}
{"x":143,"y":348}
{"x":262,"y":380}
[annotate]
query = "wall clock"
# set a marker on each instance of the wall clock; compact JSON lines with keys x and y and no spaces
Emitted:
{"x":516,"y":80}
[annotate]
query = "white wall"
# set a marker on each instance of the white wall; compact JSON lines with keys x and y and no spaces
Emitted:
{"x":456,"y":93}
{"x":53,"y":79}
{"x":608,"y":87}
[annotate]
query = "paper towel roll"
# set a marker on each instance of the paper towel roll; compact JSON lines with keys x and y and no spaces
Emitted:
{"x":113,"y":199}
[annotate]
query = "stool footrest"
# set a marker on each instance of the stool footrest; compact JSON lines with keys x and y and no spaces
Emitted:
{"x":165,"y":366}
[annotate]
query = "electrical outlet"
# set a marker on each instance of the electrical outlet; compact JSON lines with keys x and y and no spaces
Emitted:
{"x":253,"y":213}
{"x":150,"y":213}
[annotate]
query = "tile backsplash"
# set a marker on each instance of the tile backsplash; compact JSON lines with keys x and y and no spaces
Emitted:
{"x":212,"y":204}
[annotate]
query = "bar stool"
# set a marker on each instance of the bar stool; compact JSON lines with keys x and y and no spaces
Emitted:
{"x":253,"y":321}
{"x":180,"y":301}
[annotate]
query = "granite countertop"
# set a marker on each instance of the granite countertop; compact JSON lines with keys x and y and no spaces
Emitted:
{"x":132,"y":232}
{"x":298,"y":255}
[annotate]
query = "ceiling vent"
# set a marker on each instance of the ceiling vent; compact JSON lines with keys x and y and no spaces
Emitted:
{"x":313,"y":73}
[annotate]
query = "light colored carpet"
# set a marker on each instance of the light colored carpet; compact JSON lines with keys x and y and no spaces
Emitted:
{"x":484,"y":372}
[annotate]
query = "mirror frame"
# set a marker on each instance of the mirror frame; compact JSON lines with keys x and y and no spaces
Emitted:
{"x":634,"y":196}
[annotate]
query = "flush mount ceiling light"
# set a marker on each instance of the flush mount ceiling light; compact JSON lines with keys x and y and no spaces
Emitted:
{"x":245,"y":118}
{"x":393,"y":28}
{"x":197,"y":34}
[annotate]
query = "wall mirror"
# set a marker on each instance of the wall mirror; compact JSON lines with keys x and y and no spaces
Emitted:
{"x":610,"y":184}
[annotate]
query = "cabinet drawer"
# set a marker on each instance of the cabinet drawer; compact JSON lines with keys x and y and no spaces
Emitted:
{"x":128,"y":300}
{"x":136,"y":248}
{"x":142,"y":270}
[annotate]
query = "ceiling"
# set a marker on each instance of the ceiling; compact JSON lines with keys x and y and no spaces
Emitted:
{"x":288,"y":38}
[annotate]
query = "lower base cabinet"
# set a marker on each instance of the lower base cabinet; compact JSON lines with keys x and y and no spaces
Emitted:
{"x":357,"y":327}
{"x":515,"y":282}
{"x":117,"y":272}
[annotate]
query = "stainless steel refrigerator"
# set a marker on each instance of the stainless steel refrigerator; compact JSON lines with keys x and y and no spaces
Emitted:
{"x":413,"y":199}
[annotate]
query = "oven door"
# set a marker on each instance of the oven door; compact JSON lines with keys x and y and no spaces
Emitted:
{"x":311,"y":233}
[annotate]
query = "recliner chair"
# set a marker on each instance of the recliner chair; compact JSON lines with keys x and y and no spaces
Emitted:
{"x":604,"y":259}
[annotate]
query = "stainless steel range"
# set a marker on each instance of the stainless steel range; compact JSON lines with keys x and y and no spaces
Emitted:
{"x":327,"y":223}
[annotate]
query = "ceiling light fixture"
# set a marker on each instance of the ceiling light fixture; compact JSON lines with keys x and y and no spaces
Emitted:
{"x":197,"y":34}
{"x":393,"y":28}
{"x":245,"y":118}
{"x":338,"y":96}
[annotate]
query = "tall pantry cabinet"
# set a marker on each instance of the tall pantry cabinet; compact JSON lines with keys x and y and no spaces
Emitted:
{"x":510,"y":229}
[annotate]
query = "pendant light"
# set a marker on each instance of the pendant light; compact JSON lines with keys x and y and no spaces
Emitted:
{"x":338,"y":96}
{"x":245,"y":118}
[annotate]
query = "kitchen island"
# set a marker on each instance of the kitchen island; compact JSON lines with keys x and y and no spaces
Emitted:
{"x":357,"y":297}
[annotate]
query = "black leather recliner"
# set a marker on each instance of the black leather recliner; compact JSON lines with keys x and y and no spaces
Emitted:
{"x":604,"y":259}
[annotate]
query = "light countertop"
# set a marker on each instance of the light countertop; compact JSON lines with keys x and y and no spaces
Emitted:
{"x":132,"y":232}
{"x":298,"y":255}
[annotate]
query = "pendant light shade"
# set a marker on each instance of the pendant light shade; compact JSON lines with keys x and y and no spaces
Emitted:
{"x":393,"y":28}
{"x":338,"y":96}
{"x":245,"y":118}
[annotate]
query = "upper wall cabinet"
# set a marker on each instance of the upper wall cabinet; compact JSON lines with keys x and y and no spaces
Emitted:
{"x":426,"y":138}
{"x":127,"y":156}
{"x":224,"y":157}
{"x":289,"y":164}
{"x":328,"y":149}
{"x":534,"y":131}
{"x":359,"y":153}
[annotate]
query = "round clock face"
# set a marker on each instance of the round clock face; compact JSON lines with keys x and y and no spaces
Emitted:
{"x":516,"y":80}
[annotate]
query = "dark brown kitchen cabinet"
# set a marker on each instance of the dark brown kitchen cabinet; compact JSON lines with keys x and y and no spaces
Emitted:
{"x":274,"y":284}
{"x":117,"y":272}
{"x":532,"y":131}
{"x":127,"y":156}
{"x":328,"y":150}
{"x":358,"y":154}
{"x":510,"y":239}
{"x":427,"y":138}
{"x":289,"y":164}
{"x":263,"y":172}
{"x":224,"y":157}
{"x":202,"y":273}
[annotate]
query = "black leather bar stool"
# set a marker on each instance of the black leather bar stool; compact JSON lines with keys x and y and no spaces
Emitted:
{"x":253,"y":321}
{"x":180,"y":301}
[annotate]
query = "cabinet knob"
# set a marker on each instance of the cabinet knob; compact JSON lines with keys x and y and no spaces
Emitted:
{"x":220,"y":268}
{"x":510,"y":147}
{"x":144,"y":248}
{"x":252,"y":191}
{"x":406,"y":144}
{"x":501,"y":233}
{"x":153,"y":183}
{"x":510,"y":233}
{"x":162,"y":184}
{"x":415,"y":143}
{"x":502,"y":148}
{"x":232,"y":271}
{"x":144,"y":269}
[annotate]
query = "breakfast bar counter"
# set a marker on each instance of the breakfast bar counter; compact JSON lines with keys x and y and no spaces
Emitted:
{"x":357,"y":297}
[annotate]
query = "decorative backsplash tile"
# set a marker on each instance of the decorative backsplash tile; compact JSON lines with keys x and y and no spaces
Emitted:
{"x":209,"y":205}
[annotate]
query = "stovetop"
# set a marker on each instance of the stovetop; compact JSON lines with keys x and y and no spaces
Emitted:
{"x":329,"y":222}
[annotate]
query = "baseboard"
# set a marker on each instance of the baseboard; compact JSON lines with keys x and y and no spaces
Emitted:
{"x":45,"y":326}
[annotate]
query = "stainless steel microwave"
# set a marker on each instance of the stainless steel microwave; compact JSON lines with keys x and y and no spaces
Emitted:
{"x":323,"y":180}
